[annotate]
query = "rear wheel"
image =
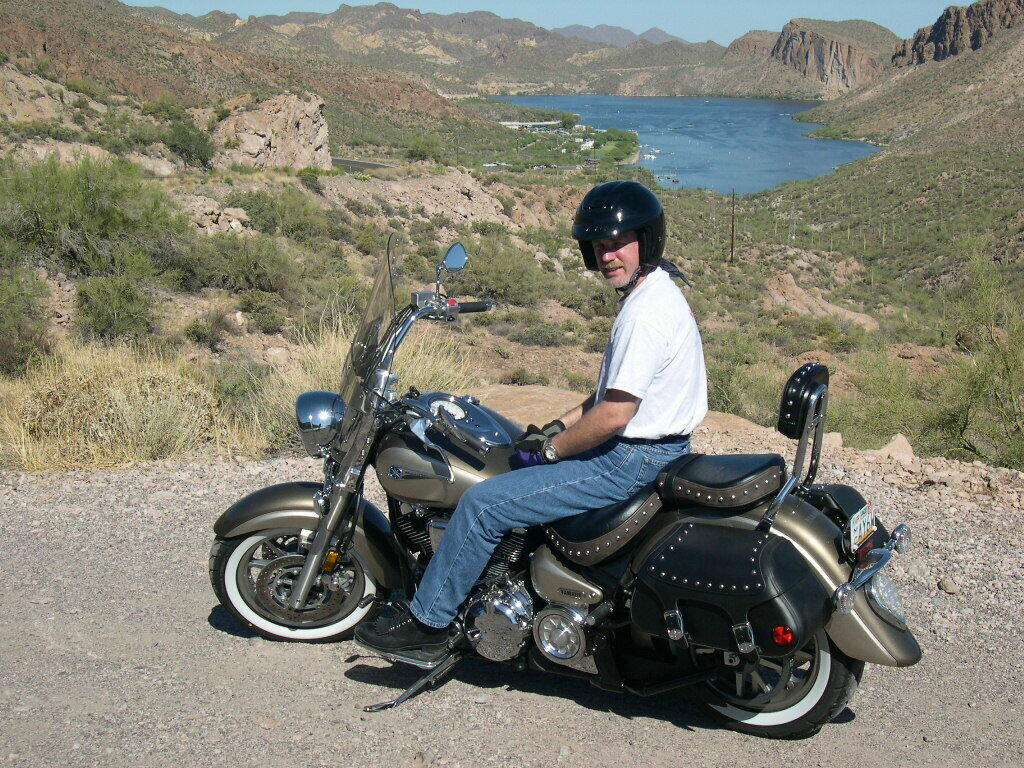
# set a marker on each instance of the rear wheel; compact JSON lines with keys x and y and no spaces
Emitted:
{"x":786,"y":698}
{"x":252,"y":576}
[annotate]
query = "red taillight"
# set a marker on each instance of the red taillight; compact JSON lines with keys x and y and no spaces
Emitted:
{"x":452,"y":302}
{"x":782,"y":635}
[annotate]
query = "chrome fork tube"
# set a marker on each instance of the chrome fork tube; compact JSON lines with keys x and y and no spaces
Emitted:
{"x":318,"y":548}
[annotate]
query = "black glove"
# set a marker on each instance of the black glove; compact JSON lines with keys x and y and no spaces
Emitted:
{"x":552,"y":428}
{"x":532,"y":440}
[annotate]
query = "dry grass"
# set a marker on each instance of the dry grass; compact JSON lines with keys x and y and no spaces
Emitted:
{"x":106,"y":406}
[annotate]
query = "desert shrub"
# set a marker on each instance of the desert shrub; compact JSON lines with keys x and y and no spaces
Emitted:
{"x":425,"y":147}
{"x":40,"y":129}
{"x":165,"y":108}
{"x":369,"y":237}
{"x":489,"y":228}
{"x":262,"y":308}
{"x":4,"y":57}
{"x":191,"y":144}
{"x":502,"y":273}
{"x":589,"y":299}
{"x":543,"y":334}
{"x":310,"y":179}
{"x":580,"y":382}
{"x":288,"y":212}
{"x":88,"y":87}
{"x":112,"y":308}
{"x":22,"y":322}
{"x":242,"y":168}
{"x":93,"y":217}
{"x":240,"y":263}
{"x":210,"y":329}
{"x":743,"y":377}
{"x":522,"y":377}
{"x":359,"y":208}
{"x":503,"y":352}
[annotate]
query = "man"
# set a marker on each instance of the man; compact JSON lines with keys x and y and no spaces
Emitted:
{"x":651,"y":394}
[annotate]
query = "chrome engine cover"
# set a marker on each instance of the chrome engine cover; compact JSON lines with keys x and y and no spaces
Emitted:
{"x":560,"y":632}
{"x":499,"y":620}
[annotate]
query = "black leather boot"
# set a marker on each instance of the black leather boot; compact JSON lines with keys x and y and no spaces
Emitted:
{"x":396,"y":631}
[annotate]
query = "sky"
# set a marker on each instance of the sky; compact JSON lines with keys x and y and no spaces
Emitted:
{"x":695,"y":20}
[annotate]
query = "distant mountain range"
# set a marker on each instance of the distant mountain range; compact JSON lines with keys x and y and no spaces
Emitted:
{"x":617,"y":36}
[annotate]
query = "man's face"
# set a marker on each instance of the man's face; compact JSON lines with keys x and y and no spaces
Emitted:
{"x":618,"y":257}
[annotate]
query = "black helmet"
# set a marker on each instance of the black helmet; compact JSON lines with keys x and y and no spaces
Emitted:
{"x":620,"y":206}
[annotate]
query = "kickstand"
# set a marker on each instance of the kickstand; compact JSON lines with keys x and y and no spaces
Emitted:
{"x":430,"y":679}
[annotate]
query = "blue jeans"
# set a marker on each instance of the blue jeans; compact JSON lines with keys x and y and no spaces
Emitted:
{"x":531,"y":496}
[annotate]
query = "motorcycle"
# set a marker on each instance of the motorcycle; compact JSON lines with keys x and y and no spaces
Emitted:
{"x":759,"y":592}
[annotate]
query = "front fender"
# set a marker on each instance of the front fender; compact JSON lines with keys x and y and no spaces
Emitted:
{"x":292,"y":505}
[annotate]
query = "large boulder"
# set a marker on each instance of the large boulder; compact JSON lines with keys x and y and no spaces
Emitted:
{"x":287,"y":130}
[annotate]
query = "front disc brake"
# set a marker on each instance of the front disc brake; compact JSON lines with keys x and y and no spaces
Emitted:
{"x":274,"y":585}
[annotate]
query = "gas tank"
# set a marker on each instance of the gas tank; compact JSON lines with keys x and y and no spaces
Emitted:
{"x":412,"y":473}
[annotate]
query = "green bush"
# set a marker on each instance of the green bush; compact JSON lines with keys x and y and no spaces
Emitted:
{"x":240,"y":263}
{"x":425,"y":147}
{"x":290,"y":212}
{"x":503,"y":273}
{"x":580,"y":382}
{"x":261,"y":307}
{"x":310,"y":179}
{"x":522,"y":377}
{"x":190,"y":143}
{"x":22,"y":319}
{"x":165,"y":108}
{"x":95,"y":217}
{"x":369,"y":238}
{"x":88,"y":87}
{"x":210,"y":329}
{"x":543,"y":335}
{"x":113,"y":307}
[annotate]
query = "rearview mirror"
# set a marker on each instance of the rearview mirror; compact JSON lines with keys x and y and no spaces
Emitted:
{"x":456,"y":258}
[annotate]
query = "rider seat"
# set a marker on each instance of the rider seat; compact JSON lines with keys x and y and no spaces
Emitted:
{"x":593,"y":536}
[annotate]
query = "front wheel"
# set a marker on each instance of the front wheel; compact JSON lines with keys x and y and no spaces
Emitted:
{"x":252,"y":577}
{"x":786,"y":699}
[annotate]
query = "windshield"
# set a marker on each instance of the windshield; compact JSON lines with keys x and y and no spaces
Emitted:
{"x":377,"y":317}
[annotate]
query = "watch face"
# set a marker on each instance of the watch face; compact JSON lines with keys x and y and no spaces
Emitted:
{"x":550,"y":454}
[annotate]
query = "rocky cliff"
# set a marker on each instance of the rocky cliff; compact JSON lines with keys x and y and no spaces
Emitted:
{"x":838,"y":64}
{"x":959,"y":30}
{"x":286,"y":130}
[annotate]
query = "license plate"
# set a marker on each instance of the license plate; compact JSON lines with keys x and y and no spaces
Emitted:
{"x":860,"y":527}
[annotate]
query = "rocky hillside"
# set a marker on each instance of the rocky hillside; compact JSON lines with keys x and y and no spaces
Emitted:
{"x":149,"y":54}
{"x":839,"y":56}
{"x":960,"y":30}
{"x":973,"y":96}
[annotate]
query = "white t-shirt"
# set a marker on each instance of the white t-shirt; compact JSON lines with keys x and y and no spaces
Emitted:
{"x":655,"y":354}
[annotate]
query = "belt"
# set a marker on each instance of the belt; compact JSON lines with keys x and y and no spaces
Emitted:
{"x":655,"y":440}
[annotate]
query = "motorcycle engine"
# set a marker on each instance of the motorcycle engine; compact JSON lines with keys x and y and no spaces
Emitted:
{"x":498,"y":620}
{"x":560,"y":632}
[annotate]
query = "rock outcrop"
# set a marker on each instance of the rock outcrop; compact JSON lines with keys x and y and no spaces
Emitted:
{"x":959,"y":30}
{"x":287,"y":130}
{"x":838,"y":65}
{"x":756,"y":43}
{"x":30,"y":97}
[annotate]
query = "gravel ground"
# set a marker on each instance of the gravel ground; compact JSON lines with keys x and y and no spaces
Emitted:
{"x":115,"y":651}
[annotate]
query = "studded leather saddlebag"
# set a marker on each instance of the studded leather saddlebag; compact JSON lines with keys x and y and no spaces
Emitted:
{"x":702,"y":584}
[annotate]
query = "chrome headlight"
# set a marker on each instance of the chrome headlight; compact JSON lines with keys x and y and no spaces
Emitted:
{"x":886,"y":598}
{"x":319,"y":415}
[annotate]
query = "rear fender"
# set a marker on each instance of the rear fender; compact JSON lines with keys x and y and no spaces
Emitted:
{"x":292,"y":505}
{"x":861,"y":634}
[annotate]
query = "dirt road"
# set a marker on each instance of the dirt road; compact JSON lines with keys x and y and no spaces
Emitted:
{"x":114,"y":651}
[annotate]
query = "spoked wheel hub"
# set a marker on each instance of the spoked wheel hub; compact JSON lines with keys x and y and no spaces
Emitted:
{"x":770,"y":685}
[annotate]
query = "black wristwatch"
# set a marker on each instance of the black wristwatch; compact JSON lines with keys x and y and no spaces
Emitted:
{"x":548,"y":452}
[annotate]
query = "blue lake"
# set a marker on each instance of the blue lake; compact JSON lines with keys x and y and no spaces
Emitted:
{"x":714,"y":143}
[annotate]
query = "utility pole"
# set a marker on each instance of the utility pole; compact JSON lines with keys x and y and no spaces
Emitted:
{"x":732,"y":238}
